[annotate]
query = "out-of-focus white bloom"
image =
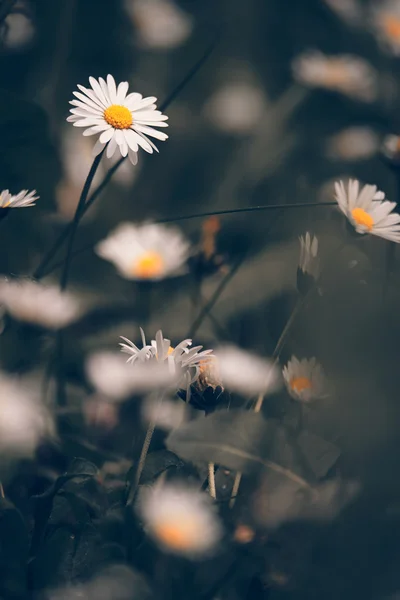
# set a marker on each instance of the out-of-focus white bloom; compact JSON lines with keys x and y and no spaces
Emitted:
{"x":29,"y":301}
{"x":309,"y":260}
{"x":180,"y":519}
{"x":246,"y":373}
{"x":386,"y":23}
{"x":147,"y":251}
{"x":353,"y":143}
{"x":110,"y":374}
{"x":23,"y":420}
{"x":304,"y":379}
{"x":123,"y":120}
{"x":100,"y":413}
{"x":19,"y":31}
{"x":348,"y":10}
{"x":368,"y":211}
{"x":344,"y":73}
{"x":391,"y":147}
{"x":160,"y":23}
{"x":20,"y":200}
{"x":236,"y":107}
{"x":183,"y":362}
{"x":167,"y":414}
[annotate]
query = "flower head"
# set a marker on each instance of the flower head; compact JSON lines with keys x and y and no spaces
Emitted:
{"x":26,"y":300}
{"x":123,"y":120}
{"x":386,"y":22}
{"x":367,"y":210}
{"x":391,"y":149}
{"x":246,"y":373}
{"x":21,"y":200}
{"x":180,"y":519}
{"x":353,"y":144}
{"x":304,"y":379}
{"x":347,"y":74}
{"x":147,"y":251}
{"x":309,"y":264}
{"x":160,"y":23}
{"x":182,"y":360}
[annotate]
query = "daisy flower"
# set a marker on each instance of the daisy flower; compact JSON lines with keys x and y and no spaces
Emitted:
{"x":391,"y":148}
{"x":344,"y":73}
{"x":352,"y":144}
{"x":180,"y":519}
{"x":123,"y":120}
{"x":32,"y":302}
{"x":309,"y":264}
{"x":21,"y":200}
{"x":160,"y":23}
{"x":148,"y":251}
{"x":304,"y":379}
{"x":246,"y":373}
{"x":368,"y":211}
{"x":182,"y":360}
{"x":386,"y":22}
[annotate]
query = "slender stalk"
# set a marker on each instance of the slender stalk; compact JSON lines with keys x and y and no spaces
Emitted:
{"x":2,"y":494}
{"x":211,"y":481}
{"x":235,"y":489}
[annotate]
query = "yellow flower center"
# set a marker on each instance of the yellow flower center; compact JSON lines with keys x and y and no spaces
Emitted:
{"x":391,"y":26}
{"x":149,"y":266}
{"x":118,"y":116}
{"x":362,"y":218}
{"x":178,"y":536}
{"x":298,"y":384}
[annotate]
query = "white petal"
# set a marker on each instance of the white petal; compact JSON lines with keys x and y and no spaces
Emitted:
{"x":104,"y":89}
{"x":85,"y":100}
{"x":106,"y":135}
{"x":133,"y":157}
{"x":145,"y":102}
{"x":112,"y":89}
{"x":131,"y":139}
{"x":122,"y":91}
{"x":112,"y":146}
{"x":98,"y":147}
{"x":93,"y":96}
{"x":132,"y":99}
{"x":99,"y":92}
{"x":159,"y":135}
{"x":88,"y":122}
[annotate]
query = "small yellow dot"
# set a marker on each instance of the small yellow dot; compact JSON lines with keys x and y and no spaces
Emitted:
{"x":362,"y":218}
{"x":149,"y":266}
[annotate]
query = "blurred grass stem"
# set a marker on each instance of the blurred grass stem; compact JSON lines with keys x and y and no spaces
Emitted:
{"x":211,"y":480}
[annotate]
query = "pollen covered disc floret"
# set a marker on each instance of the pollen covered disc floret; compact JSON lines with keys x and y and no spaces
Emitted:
{"x":367,"y":210}
{"x":304,"y":379}
{"x":148,"y":251}
{"x":20,"y":200}
{"x":180,"y":519}
{"x":124,"y":121}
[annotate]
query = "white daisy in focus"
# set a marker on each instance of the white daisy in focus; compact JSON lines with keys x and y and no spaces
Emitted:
{"x":160,"y":23}
{"x":348,"y":10}
{"x":180,"y":519}
{"x":246,"y":373}
{"x":21,"y":200}
{"x":38,"y":304}
{"x":304,"y":379}
{"x":123,"y":120}
{"x":367,"y":210}
{"x":309,"y":264}
{"x":23,"y":420}
{"x":110,"y":375}
{"x":344,"y":73}
{"x":352,"y":144}
{"x":147,"y":251}
{"x":183,"y":361}
{"x":386,"y":23}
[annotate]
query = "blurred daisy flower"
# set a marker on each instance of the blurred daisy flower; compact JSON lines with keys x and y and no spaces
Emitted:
{"x":391,"y":148}
{"x":147,"y":251}
{"x":38,"y":304}
{"x":367,"y":210}
{"x":353,"y":143}
{"x":168,"y":414}
{"x":386,"y":22}
{"x":309,"y":264}
{"x":348,"y":10}
{"x":182,"y":360}
{"x":159,"y":23}
{"x":304,"y":379}
{"x":344,"y":73}
{"x":23,"y":420}
{"x":180,"y":519}
{"x":246,"y":373}
{"x":207,"y":392}
{"x":122,"y":120}
{"x":24,"y":198}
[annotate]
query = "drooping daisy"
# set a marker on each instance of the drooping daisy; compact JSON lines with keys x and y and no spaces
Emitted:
{"x":181,"y":360}
{"x":20,"y":200}
{"x":352,"y":144}
{"x":344,"y":73}
{"x":123,"y":120}
{"x":147,"y":251}
{"x":32,"y":302}
{"x":386,"y":22}
{"x":180,"y":519}
{"x":246,"y":373}
{"x":304,"y":379}
{"x":309,"y":263}
{"x":367,"y":210}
